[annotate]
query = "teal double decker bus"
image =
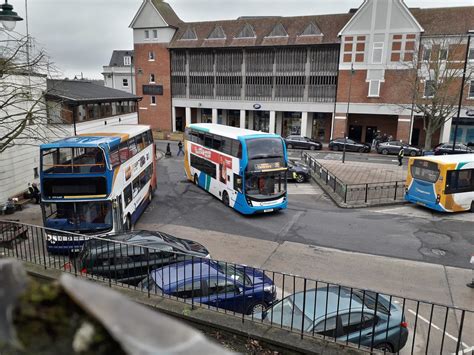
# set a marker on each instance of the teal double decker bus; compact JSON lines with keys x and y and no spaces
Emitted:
{"x":245,"y":169}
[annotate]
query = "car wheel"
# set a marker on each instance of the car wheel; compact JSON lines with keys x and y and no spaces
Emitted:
{"x":412,"y":153}
{"x":225,"y":198}
{"x":312,"y":147}
{"x":472,"y":207}
{"x":150,"y":195}
{"x":196,"y":180}
{"x":289,"y":146}
{"x":384,"y":151}
{"x":335,"y":148}
{"x":300,"y":178}
{"x":385,"y":347}
{"x":256,"y":308}
{"x":361,"y":150}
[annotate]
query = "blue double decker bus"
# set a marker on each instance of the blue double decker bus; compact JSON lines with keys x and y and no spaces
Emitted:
{"x":96,"y":183}
{"x":245,"y":169}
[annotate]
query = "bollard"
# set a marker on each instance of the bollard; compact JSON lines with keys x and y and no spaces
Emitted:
{"x":471,"y":285}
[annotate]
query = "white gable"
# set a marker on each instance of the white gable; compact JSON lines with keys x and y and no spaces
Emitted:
{"x":148,"y":17}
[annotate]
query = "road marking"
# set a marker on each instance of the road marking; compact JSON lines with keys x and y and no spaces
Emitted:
{"x":465,"y":351}
{"x":436,"y":327}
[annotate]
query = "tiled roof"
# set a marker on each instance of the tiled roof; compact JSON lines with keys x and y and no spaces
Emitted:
{"x":117,"y":57}
{"x":329,"y":25}
{"x":167,"y":13}
{"x":85,"y":91}
{"x":445,"y":21}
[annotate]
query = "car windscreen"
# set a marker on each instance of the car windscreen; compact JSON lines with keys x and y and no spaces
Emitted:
{"x":261,"y":148}
{"x":287,"y":313}
{"x":425,"y":170}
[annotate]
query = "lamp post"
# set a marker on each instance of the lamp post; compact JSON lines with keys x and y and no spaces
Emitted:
{"x":466,"y":58}
{"x":8,"y":17}
{"x":347,"y":113}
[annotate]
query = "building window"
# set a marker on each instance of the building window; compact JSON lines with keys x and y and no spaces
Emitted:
{"x":471,"y":54}
{"x":153,"y":100}
{"x":377,"y":53}
{"x":147,"y":34}
{"x":471,"y":90}
{"x":127,"y":60}
{"x":443,"y":54}
{"x":151,"y":55}
{"x":430,"y":88}
{"x":426,"y":54}
{"x":374,"y":88}
{"x":152,"y":78}
{"x":35,"y":173}
{"x":125,"y":83}
{"x":155,"y":34}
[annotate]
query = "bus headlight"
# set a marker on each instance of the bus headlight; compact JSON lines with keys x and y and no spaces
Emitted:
{"x":249,"y":202}
{"x":438,"y":198}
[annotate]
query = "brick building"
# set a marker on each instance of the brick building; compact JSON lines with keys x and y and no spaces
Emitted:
{"x":318,"y":76}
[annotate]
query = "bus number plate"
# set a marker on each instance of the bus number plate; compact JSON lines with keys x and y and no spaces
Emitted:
{"x":269,"y":210}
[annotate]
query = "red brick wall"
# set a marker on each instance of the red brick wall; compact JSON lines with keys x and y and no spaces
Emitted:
{"x":403,"y":129}
{"x":159,"y":116}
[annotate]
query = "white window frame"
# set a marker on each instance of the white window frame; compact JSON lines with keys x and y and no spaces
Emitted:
{"x":470,"y":56}
{"x":471,"y":87}
{"x":155,"y":34}
{"x":127,"y":60}
{"x":425,"y":49}
{"x":147,"y":34}
{"x":376,"y":47}
{"x":125,"y":82}
{"x":371,"y":83}
{"x":151,"y":56}
{"x":447,"y":54}
{"x":424,"y":89}
{"x":152,"y":78}
{"x":153,"y":100}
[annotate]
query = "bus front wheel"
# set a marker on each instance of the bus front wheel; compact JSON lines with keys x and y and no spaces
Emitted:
{"x":196,"y":181}
{"x":225,"y":198}
{"x":472,"y":206}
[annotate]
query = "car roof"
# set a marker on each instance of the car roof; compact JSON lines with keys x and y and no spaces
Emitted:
{"x":170,"y":275}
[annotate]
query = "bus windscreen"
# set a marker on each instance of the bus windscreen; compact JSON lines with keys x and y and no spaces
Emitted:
{"x":261,"y":148}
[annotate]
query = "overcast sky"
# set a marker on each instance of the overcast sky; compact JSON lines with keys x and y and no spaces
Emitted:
{"x":80,"y":35}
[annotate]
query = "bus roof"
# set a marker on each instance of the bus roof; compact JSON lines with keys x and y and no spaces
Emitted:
{"x":111,"y":135}
{"x":227,"y":131}
{"x":447,"y":159}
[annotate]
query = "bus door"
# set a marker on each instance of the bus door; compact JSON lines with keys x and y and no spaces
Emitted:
{"x":118,"y":214}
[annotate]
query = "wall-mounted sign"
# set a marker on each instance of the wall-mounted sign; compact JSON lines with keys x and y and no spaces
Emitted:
{"x":257,"y":106}
{"x":152,"y":89}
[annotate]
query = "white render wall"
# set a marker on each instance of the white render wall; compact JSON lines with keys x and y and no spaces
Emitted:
{"x":113,"y":78}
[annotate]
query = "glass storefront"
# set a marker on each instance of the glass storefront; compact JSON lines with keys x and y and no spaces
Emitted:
{"x":318,"y":131}
{"x":261,"y":121}
{"x":233,"y":118}
{"x":291,"y":124}
{"x":206,"y":115}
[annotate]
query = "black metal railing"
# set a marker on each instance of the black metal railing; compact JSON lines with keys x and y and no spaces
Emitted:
{"x":356,"y":317}
{"x":356,"y":193}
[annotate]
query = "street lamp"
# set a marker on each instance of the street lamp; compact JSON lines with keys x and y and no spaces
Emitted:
{"x":8,"y":17}
{"x":466,"y":59}
{"x":347,"y":113}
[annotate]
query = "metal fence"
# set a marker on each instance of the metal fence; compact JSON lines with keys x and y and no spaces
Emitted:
{"x":312,"y":308}
{"x":356,"y":193}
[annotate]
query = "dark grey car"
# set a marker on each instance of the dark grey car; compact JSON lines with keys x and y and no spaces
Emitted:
{"x":302,"y":143}
{"x":393,"y":147}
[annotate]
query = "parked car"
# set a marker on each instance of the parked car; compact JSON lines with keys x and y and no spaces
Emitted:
{"x":302,"y":143}
{"x":393,"y":147}
{"x":447,"y":148}
{"x":129,"y":257}
{"x":357,"y":317}
{"x":351,"y":145}
{"x":298,"y":172}
{"x":227,"y":286}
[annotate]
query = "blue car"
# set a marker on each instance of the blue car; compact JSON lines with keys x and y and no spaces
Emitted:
{"x":226,"y":286}
{"x":359,"y":317}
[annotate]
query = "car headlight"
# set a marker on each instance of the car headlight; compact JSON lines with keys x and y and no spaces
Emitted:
{"x":270,"y":288}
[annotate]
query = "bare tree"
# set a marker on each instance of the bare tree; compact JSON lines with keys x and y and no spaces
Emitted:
{"x":23,"y":109}
{"x":437,"y":86}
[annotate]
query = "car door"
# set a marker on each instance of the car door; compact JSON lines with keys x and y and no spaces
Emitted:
{"x":350,"y":145}
{"x":224,"y":294}
{"x":394,"y":147}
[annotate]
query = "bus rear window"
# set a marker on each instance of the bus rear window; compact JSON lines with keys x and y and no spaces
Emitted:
{"x":425,"y":171}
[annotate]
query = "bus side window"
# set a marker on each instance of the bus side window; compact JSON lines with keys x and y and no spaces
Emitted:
{"x":208,"y":141}
{"x":216,"y":143}
{"x":226,"y":145}
{"x":139,"y":143}
{"x":124,"y":152}
{"x":238,"y":183}
{"x":127,"y":195}
{"x":132,"y":146}
{"x":236,"y":149}
{"x":149,"y":134}
{"x":200,"y":138}
{"x":114,"y":157}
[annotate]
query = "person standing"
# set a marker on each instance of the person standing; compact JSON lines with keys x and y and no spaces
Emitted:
{"x":180,"y":148}
{"x":168,"y":150}
{"x":401,"y":153}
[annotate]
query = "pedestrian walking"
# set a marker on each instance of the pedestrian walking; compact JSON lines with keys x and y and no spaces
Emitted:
{"x":401,"y":153}
{"x":168,"y":150}
{"x":180,"y":148}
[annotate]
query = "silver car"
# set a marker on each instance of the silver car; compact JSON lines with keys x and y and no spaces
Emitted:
{"x":393,"y":147}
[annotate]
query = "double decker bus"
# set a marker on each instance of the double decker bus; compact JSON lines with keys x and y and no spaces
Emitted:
{"x":96,"y":183}
{"x":443,"y":183}
{"x":245,"y":169}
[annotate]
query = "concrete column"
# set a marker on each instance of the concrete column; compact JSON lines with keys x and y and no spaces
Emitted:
{"x":403,"y":128}
{"x":445,"y":132}
{"x":214,"y":115}
{"x":271,"y":127}
{"x":173,"y":118}
{"x":188,"y":116}
{"x":250,"y":120}
{"x":279,"y":122}
{"x":242,"y":118}
{"x":199,"y":115}
{"x":225,"y":121}
{"x":304,"y":124}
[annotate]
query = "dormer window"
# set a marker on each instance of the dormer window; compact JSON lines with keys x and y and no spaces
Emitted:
{"x":278,"y":31}
{"x":217,"y":33}
{"x":377,"y":53}
{"x":147,"y":34}
{"x":127,"y":60}
{"x":311,"y":30}
{"x":155,"y":34}
{"x":246,"y":32}
{"x":189,"y":34}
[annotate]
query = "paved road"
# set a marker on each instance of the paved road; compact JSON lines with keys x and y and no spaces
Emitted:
{"x":409,"y":233}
